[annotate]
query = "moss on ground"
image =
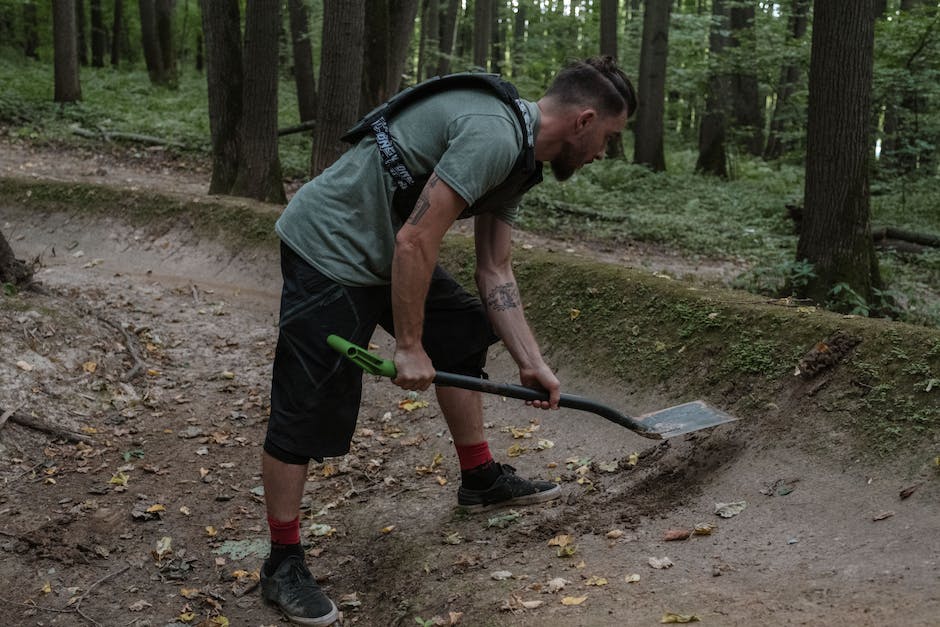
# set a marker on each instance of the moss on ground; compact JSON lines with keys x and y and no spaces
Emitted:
{"x":640,"y":331}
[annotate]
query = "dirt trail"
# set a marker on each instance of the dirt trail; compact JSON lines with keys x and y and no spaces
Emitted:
{"x":184,"y":440}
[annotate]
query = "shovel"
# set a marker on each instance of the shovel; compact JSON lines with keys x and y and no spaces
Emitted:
{"x":665,"y":423}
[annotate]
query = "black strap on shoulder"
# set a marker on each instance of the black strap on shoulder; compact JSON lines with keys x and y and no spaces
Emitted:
{"x":377,"y":120}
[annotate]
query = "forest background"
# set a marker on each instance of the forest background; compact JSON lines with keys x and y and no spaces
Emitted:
{"x":713,"y":166}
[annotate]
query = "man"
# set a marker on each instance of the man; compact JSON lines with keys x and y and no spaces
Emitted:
{"x":358,"y":250}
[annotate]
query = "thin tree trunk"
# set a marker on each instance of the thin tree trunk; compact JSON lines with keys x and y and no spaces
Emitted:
{"x":81,"y":40}
{"x":610,"y":10}
{"x":30,"y":30}
{"x":304,"y":79}
{"x":67,"y":85}
{"x":116,"y":33}
{"x":402,"y":27}
{"x":836,"y":230}
{"x":150,"y":41}
{"x":648,"y":146}
{"x":259,"y":168}
{"x":498,"y":47}
{"x":222,"y":33}
{"x":448,"y":36}
{"x":482,"y":29}
{"x":164,"y":22}
{"x":12,"y":270}
{"x":518,"y":39}
{"x":748,"y":113}
{"x":712,"y":158}
{"x":432,"y":40}
{"x":338,"y":106}
{"x":98,"y":34}
{"x":790,"y":77}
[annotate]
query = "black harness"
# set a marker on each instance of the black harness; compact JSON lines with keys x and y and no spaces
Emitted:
{"x":526,"y":172}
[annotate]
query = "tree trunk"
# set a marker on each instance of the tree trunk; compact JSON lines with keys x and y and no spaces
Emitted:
{"x":222,"y":33}
{"x":712,"y":158}
{"x":402,"y":15}
{"x":518,"y":40}
{"x":67,"y":85}
{"x":748,"y":113}
{"x":80,"y":38}
{"x":164,"y":20}
{"x":341,"y":64}
{"x":836,"y":230}
{"x":151,"y":43}
{"x":99,"y":35}
{"x":116,"y":33}
{"x":259,"y":168}
{"x":30,"y":31}
{"x":482,"y":29}
{"x":790,"y":76}
{"x":648,"y":128}
{"x":610,"y":10}
{"x":304,"y":79}
{"x":448,"y":36}
{"x":12,"y":270}
{"x":498,"y":43}
{"x":431,"y":40}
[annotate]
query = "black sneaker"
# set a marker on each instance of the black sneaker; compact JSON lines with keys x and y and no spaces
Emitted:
{"x":509,"y":489}
{"x":293,"y":589}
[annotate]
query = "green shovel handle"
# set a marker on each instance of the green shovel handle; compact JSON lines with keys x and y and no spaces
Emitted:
{"x":362,"y":358}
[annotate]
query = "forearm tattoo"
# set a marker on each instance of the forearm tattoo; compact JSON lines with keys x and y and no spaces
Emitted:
{"x":503,"y":297}
{"x":424,"y":200}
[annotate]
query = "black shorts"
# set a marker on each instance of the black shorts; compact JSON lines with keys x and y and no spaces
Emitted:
{"x":315,"y":392}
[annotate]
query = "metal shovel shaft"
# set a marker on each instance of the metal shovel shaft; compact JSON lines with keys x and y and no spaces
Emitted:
{"x":529,"y":394}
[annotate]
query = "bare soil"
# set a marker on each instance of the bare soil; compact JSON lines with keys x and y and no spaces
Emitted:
{"x":149,"y":354}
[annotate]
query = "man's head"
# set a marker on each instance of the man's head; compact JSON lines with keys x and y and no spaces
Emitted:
{"x":590,"y":102}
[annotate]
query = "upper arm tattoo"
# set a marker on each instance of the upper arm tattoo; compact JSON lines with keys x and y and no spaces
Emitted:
{"x":503,"y":297}
{"x":424,"y":200}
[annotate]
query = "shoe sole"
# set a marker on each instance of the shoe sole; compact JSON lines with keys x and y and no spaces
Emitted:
{"x":321,"y":621}
{"x":528,"y":499}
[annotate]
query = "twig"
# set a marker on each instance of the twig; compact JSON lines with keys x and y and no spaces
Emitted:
{"x":82,"y":596}
{"x":8,"y":413}
{"x":38,"y":425}
{"x":24,"y":473}
{"x":129,"y":341}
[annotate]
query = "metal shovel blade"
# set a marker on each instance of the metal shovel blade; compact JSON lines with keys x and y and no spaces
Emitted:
{"x":684,"y":418}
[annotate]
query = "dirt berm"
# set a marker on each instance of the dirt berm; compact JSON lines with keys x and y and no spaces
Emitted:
{"x":836,"y":455}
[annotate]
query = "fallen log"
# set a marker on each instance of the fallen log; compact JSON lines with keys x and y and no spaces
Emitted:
{"x":300,"y":128}
{"x":37,"y":425}
{"x":109,"y":136}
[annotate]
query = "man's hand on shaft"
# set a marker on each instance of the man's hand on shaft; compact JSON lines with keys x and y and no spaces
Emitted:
{"x":414,"y":367}
{"x":542,"y":377}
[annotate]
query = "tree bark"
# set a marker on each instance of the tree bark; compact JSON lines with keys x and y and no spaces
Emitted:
{"x":648,"y":129}
{"x":222,"y":33}
{"x":836,"y":232}
{"x":610,"y":10}
{"x":340,"y":67}
{"x":304,"y":79}
{"x":790,"y":77}
{"x":151,"y":41}
{"x":712,"y":158}
{"x":67,"y":85}
{"x":498,"y":43}
{"x":12,"y":270}
{"x":99,"y":35}
{"x":518,"y":39}
{"x":388,"y":29}
{"x":431,"y":40}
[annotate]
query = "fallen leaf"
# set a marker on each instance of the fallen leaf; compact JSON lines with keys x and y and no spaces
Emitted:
{"x":501,"y":575}
{"x":25,"y":366}
{"x":529,"y":605}
{"x":633,"y":459}
{"x":164,"y":548}
{"x":409,"y":405}
{"x":189,"y":593}
{"x":455,"y":617}
{"x":574,"y":314}
{"x":89,"y":367}
{"x":883,"y":515}
{"x":634,"y":578}
{"x":561,"y":540}
{"x":594,"y":580}
{"x":503,"y":521}
{"x":185,"y":510}
{"x":660,"y":562}
{"x":320,"y":530}
{"x":556,"y":584}
{"x":608,"y":466}
{"x":350,"y":600}
{"x":544,"y":444}
{"x":573,"y":600}
{"x":727,"y":510}
{"x":47,"y":588}
{"x":515,"y":450}
{"x":704,"y":529}
{"x":139,"y":606}
{"x":119,"y":479}
{"x":906,"y":492}
{"x":614,"y":534}
{"x":156,"y":508}
{"x":388,"y":529}
{"x":677,"y":534}
{"x":453,"y":538}
{"x":211,"y":531}
{"x":669,"y":617}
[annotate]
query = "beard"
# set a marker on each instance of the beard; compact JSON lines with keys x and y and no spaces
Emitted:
{"x":566,"y":163}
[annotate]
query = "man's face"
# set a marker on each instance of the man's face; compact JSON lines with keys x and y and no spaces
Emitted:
{"x":587,"y":142}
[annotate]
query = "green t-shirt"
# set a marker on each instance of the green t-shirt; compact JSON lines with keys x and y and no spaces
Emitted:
{"x":342,"y":222}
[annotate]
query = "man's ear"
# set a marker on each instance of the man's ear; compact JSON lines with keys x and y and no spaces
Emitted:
{"x":585,"y":118}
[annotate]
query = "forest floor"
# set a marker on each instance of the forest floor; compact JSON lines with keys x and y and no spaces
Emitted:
{"x":150,"y":355}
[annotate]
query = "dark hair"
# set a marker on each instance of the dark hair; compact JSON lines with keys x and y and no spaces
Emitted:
{"x":597,"y":82}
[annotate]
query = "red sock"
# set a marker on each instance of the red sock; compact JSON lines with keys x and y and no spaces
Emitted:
{"x":473,"y":455}
{"x":284,"y":532}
